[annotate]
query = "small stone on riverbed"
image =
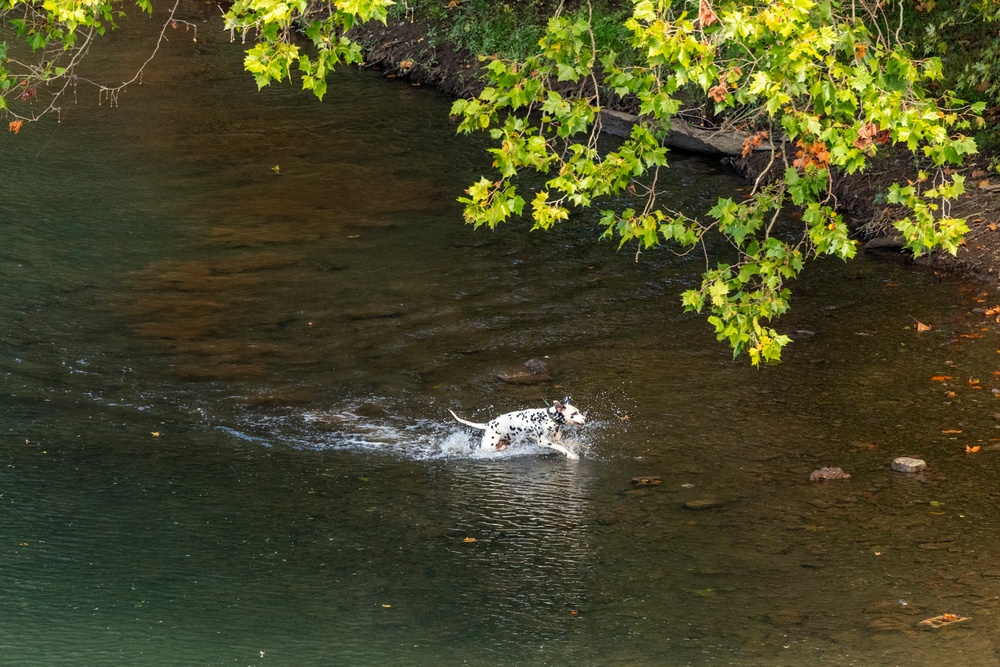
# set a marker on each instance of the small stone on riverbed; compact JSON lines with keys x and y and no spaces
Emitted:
{"x":828,"y":474}
{"x":907,"y":464}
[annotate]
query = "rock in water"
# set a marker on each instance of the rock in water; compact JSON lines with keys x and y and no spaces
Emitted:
{"x":907,"y":464}
{"x":828,"y":474}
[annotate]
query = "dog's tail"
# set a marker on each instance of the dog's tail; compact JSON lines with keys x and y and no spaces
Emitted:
{"x":481,"y":427}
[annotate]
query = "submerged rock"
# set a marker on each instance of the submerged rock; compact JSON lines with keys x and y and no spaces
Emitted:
{"x":907,"y":464}
{"x":535,"y":371}
{"x":702,"y":504}
{"x":828,"y":474}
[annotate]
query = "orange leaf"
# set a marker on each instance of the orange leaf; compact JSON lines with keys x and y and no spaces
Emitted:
{"x":972,"y":450}
{"x":15,"y":125}
{"x":973,"y":382}
{"x":942,"y":378}
{"x":718,"y":93}
{"x":469,"y":540}
{"x":706,"y":15}
{"x":921,"y":327}
{"x":970,"y":335}
{"x":951,"y":431}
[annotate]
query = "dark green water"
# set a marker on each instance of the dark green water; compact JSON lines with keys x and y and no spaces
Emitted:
{"x":225,"y":428}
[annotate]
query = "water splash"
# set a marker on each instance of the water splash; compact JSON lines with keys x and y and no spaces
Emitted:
{"x":388,"y":433}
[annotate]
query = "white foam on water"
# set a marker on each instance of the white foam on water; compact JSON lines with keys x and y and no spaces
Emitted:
{"x":393,"y":435}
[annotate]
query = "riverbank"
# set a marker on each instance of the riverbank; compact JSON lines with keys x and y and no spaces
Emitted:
{"x":407,"y":49}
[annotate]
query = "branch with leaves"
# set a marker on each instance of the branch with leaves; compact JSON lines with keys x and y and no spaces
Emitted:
{"x":834,"y":81}
{"x":53,"y":39}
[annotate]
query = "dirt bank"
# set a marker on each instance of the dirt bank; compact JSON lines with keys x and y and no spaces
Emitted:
{"x":402,"y":50}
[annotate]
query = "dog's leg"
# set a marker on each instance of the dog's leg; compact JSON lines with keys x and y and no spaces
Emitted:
{"x":569,"y":453}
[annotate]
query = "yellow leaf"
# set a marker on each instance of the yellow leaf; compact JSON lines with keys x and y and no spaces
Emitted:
{"x":951,"y":431}
{"x":155,"y":434}
{"x":469,"y":539}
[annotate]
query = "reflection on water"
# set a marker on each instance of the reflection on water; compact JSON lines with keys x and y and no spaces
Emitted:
{"x":226,"y":431}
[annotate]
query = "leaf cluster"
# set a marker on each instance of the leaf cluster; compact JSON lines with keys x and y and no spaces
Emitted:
{"x":827,"y":87}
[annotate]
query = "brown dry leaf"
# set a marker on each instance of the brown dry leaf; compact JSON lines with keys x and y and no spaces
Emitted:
{"x":978,"y":173}
{"x":921,"y":327}
{"x":993,"y":226}
{"x":984,"y":183}
{"x":718,"y":93}
{"x":950,"y":394}
{"x":15,"y":125}
{"x":405,"y":65}
{"x":942,"y":378}
{"x":973,"y":382}
{"x":970,"y":335}
{"x":706,"y":15}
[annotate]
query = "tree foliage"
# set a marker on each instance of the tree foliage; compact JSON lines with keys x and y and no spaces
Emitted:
{"x":827,"y":86}
{"x":821,"y":86}
{"x":275,"y":26}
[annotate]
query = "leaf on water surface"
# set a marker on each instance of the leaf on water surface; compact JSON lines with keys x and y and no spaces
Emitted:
{"x":951,"y":431}
{"x":15,"y":125}
{"x":469,"y":540}
{"x":972,"y":450}
{"x":940,"y":378}
{"x":921,"y":327}
{"x":155,"y":434}
{"x":943,"y":620}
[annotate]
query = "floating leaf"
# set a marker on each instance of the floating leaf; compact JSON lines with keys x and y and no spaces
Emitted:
{"x":951,"y":431}
{"x":921,"y":327}
{"x":972,"y":450}
{"x":942,"y":378}
{"x":469,"y":540}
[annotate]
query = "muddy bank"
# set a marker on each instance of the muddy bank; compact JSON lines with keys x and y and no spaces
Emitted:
{"x":403,"y":50}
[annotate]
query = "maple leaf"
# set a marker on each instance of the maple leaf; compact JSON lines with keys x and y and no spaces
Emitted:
{"x":719,"y":92}
{"x":706,"y":15}
{"x":753,"y":141}
{"x":15,"y":125}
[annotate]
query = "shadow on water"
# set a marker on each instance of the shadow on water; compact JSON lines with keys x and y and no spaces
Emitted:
{"x":226,"y":431}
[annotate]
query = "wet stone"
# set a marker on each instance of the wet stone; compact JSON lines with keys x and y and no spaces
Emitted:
{"x":534,"y":371}
{"x":907,"y":464}
{"x":827,"y":474}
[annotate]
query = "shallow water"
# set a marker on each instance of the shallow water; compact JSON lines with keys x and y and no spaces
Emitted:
{"x":226,"y":431}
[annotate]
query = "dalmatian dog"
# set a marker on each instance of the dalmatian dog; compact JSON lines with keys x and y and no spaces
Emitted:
{"x":542,"y":425}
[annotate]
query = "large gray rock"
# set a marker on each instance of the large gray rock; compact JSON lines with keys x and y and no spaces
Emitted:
{"x":907,"y":464}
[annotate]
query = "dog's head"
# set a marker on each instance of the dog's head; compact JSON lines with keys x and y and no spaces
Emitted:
{"x":566,"y":413}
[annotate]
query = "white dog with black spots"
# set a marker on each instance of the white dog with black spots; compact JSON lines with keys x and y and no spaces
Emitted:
{"x":542,"y":426}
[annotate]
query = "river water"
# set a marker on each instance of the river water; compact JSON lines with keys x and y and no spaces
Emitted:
{"x":225,"y":406}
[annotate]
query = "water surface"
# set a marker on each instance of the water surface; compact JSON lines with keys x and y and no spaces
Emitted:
{"x":226,"y":386}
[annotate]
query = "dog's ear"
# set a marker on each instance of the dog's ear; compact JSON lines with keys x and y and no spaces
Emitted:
{"x":557,"y":406}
